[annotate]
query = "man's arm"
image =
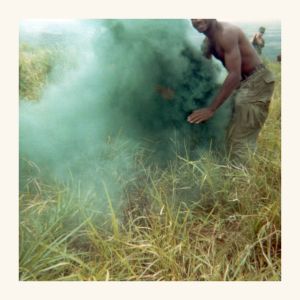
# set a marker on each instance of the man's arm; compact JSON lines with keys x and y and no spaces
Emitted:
{"x":232,"y":60}
{"x":261,"y":41}
{"x":233,"y":64}
{"x":254,"y":38}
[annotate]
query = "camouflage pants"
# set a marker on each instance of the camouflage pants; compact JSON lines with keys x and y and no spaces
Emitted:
{"x":251,"y":106}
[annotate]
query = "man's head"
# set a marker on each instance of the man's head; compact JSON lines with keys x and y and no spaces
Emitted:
{"x":202,"y":25}
{"x":262,"y":29}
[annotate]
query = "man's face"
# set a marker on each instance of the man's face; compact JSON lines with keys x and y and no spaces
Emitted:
{"x":201,"y":24}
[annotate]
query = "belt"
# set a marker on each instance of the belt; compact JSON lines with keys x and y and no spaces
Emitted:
{"x":257,"y":68}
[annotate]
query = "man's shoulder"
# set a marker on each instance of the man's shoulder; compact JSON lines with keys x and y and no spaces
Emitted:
{"x":230,"y":29}
{"x":230,"y":35}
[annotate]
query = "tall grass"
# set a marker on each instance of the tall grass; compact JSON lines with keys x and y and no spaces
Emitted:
{"x":194,"y":220}
{"x":37,"y":65}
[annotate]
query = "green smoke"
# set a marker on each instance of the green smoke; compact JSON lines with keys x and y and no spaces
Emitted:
{"x":94,"y":119}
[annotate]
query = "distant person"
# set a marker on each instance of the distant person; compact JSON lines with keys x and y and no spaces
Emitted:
{"x":258,"y":41}
{"x":279,"y":57}
{"x":251,"y":81}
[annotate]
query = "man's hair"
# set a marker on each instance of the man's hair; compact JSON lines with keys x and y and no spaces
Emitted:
{"x":262,"y":29}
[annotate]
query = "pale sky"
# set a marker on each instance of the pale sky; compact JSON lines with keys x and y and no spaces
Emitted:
{"x":41,"y":24}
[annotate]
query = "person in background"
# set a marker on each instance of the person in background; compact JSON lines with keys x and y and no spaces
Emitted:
{"x":279,"y":58}
{"x":258,"y":41}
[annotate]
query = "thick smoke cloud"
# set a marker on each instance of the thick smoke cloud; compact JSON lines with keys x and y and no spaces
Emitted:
{"x":136,"y":83}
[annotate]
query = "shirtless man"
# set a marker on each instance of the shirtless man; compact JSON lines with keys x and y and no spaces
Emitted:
{"x":258,"y":41}
{"x":251,"y":81}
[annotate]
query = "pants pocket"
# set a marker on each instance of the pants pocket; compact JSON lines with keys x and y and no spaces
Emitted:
{"x":268,"y":77}
{"x":262,"y":90}
{"x":256,"y":114}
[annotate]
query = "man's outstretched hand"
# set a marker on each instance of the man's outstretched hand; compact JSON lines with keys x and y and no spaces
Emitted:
{"x":200,"y":115}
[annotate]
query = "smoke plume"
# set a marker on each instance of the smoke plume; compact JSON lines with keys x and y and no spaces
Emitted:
{"x":135,"y":84}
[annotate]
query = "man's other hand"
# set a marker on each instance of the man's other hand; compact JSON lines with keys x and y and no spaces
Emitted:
{"x":165,"y":92}
{"x":200,"y":115}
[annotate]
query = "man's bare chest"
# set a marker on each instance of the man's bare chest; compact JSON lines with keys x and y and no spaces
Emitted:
{"x":217,"y":51}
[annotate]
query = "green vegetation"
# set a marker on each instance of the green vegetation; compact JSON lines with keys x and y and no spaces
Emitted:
{"x":36,"y":64}
{"x":194,"y":220}
{"x":34,"y":68}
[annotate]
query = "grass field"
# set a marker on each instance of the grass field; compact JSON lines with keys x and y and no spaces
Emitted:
{"x":194,"y":220}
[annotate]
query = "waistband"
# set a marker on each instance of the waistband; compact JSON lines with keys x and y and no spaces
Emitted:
{"x":257,"y":68}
